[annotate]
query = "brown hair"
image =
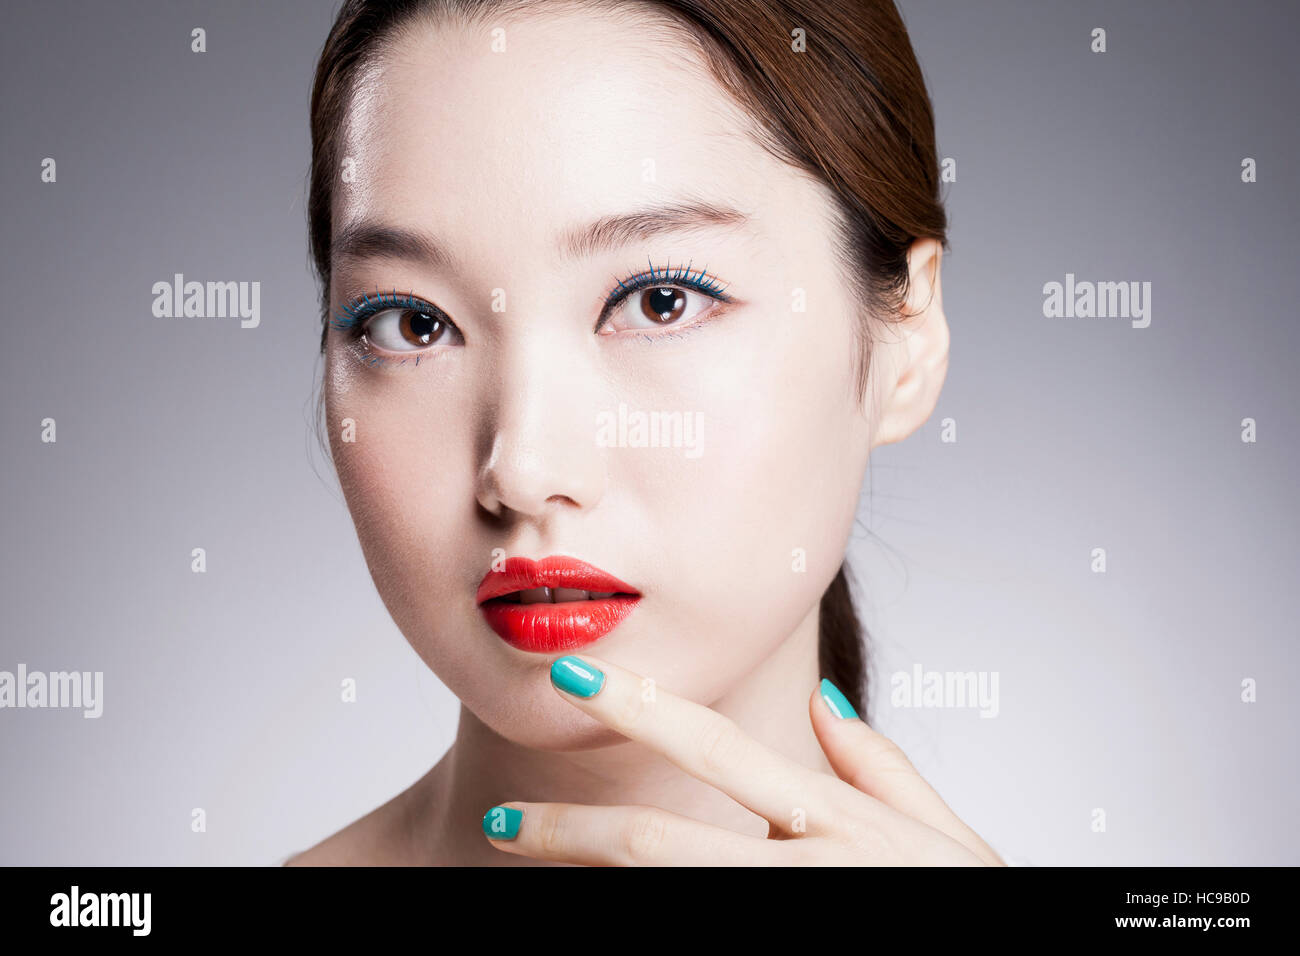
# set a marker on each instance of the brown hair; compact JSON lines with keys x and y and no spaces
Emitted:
{"x":850,"y":108}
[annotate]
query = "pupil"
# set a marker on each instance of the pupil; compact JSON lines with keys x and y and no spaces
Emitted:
{"x":665,"y":304}
{"x":423,"y":327}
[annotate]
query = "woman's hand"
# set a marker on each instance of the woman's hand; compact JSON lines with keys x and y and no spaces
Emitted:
{"x":879,"y":812}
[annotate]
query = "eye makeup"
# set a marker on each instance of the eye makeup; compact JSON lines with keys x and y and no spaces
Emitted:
{"x":354,"y":317}
{"x":356,"y":310}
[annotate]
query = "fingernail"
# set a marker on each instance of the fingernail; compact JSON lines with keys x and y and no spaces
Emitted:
{"x":502,"y":823}
{"x":575,"y":676}
{"x":836,"y":701}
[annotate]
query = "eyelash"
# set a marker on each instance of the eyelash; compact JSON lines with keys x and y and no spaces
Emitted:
{"x":355,"y":312}
{"x":352,"y":316}
{"x":700,"y":282}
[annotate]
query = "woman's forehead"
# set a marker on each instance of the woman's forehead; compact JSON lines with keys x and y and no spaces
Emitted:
{"x":568,"y":115}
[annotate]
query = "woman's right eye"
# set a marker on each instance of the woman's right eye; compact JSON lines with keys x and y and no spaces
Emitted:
{"x":409,"y":330}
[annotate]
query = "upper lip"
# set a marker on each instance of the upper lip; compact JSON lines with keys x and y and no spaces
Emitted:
{"x":555,"y":571}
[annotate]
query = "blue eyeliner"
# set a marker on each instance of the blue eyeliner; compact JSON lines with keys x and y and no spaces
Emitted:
{"x":699,"y":281}
{"x":359,"y":308}
{"x":353,"y":314}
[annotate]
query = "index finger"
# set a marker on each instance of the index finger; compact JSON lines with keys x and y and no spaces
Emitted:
{"x":706,"y":744}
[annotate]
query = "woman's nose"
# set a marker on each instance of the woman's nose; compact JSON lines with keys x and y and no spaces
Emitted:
{"x":540,"y":450}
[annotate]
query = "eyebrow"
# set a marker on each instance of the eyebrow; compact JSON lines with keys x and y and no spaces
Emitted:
{"x":367,"y":239}
{"x":618,"y":231}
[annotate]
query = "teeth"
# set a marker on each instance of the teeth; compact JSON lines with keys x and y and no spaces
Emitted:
{"x":556,"y":596}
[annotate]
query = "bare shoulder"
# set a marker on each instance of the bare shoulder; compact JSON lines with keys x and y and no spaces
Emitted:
{"x":380,"y":838}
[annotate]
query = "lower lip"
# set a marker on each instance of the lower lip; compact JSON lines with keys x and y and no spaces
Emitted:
{"x":544,"y":627}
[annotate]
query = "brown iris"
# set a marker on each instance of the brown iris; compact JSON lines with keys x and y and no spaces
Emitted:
{"x":663,"y":304}
{"x":420,"y":328}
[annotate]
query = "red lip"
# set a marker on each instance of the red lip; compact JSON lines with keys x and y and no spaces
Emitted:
{"x":544,"y":627}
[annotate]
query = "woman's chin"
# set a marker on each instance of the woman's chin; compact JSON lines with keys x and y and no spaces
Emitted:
{"x":540,"y":719}
{"x":588,"y":734}
{"x":560,"y":733}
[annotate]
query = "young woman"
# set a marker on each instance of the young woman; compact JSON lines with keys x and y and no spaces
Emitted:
{"x":618,"y":299}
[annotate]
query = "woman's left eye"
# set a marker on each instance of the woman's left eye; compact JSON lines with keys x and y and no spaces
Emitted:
{"x":658,"y":306}
{"x":407,"y":330}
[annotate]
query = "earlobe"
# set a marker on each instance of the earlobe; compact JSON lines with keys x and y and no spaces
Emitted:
{"x":914,"y":359}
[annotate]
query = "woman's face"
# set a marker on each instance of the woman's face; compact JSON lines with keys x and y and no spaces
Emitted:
{"x":515,"y":433}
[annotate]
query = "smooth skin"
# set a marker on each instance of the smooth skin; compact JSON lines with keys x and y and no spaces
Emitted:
{"x":876,"y":811}
{"x":488,"y":445}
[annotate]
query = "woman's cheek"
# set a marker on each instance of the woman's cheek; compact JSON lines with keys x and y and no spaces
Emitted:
{"x":404,"y":491}
{"x":786,"y":473}
{"x":722,"y":535}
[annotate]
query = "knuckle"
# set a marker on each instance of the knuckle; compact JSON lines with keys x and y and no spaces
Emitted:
{"x":644,"y":835}
{"x":722,"y":744}
{"x":551,"y":832}
{"x":885,"y":760}
{"x":627,"y":714}
{"x":889,"y":755}
{"x":801,"y":853}
{"x":873,"y":842}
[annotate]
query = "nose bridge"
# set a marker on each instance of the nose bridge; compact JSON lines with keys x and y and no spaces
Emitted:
{"x":540,"y":446}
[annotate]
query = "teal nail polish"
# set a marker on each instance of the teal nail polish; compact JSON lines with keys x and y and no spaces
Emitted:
{"x":502,"y":823}
{"x":575,"y":676}
{"x":836,"y":701}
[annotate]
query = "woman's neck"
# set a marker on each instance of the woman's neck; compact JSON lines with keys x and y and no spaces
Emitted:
{"x":483,"y":768}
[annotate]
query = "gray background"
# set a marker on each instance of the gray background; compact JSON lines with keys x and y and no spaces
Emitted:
{"x":1118,"y":691}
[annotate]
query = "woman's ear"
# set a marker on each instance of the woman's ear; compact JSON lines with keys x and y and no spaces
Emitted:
{"x":913,"y":351}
